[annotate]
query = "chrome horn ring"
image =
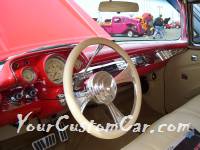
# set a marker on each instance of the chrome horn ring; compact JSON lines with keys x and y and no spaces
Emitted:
{"x":102,"y":86}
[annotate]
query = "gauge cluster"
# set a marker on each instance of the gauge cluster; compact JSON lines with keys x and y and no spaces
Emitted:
{"x":37,"y":77}
{"x":47,"y":69}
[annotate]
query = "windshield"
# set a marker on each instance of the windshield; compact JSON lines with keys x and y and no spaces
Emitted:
{"x":155,"y":20}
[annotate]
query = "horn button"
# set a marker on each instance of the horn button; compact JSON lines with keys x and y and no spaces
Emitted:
{"x":102,"y":86}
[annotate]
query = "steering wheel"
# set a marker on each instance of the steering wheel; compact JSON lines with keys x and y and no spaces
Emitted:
{"x":102,"y":89}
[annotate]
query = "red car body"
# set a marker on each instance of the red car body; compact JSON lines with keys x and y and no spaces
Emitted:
{"x":168,"y":26}
{"x":29,"y":25}
{"x":175,"y":24}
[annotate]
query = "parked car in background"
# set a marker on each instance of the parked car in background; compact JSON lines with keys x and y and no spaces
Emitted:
{"x":167,"y":26}
{"x":174,"y":24}
{"x":123,"y":25}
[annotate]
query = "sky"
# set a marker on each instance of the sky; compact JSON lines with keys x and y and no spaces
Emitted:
{"x":155,"y":7}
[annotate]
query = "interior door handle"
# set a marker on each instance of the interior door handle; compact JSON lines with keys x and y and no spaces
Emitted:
{"x":194,"y":57}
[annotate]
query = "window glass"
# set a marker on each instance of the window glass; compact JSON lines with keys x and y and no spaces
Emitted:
{"x":196,"y":23}
{"x":156,"y":20}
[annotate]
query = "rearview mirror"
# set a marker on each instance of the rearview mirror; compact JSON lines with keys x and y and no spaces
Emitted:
{"x":118,"y":6}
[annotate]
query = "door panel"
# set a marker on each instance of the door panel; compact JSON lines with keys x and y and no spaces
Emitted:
{"x":182,"y":79}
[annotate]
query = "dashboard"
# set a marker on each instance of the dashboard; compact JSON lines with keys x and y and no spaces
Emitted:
{"x":34,"y":81}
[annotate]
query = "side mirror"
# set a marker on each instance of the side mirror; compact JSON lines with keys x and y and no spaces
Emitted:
{"x":118,"y":6}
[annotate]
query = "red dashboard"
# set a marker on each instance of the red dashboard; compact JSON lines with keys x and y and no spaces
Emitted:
{"x":33,"y":81}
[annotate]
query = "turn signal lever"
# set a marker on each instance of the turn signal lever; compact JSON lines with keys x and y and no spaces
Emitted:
{"x":31,"y":94}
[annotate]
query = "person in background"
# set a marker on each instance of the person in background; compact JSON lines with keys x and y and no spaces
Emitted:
{"x":159,"y":27}
{"x":166,"y":20}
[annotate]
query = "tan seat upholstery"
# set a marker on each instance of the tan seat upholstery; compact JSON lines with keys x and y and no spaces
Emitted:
{"x":188,"y":113}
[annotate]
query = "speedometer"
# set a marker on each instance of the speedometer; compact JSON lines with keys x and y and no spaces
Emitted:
{"x":54,"y":68}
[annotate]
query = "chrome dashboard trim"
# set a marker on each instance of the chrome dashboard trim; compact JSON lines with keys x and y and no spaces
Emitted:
{"x":141,"y":60}
{"x":167,"y":54}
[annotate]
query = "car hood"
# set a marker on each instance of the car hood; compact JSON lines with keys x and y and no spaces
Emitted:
{"x":26,"y":25}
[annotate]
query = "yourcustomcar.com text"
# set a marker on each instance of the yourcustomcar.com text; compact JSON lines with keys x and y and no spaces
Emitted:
{"x":136,"y":128}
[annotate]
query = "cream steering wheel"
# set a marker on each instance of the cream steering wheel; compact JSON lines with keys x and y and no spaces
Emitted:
{"x":102,"y":88}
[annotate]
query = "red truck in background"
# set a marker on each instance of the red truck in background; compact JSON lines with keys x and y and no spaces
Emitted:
{"x":123,"y":25}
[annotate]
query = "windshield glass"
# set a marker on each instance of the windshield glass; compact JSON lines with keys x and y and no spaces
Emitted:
{"x":155,"y":20}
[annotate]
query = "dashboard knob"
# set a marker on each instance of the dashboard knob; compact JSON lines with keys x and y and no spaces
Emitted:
{"x":31,"y":93}
{"x":15,"y":99}
{"x":19,"y":96}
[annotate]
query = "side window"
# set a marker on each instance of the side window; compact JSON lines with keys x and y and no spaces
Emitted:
{"x":116,"y":20}
{"x":196,"y":23}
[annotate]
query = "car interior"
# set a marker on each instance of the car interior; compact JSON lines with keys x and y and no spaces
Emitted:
{"x":95,"y":75}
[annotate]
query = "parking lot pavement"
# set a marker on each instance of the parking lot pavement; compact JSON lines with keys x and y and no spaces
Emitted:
{"x":170,"y":34}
